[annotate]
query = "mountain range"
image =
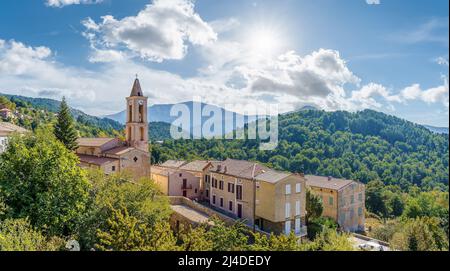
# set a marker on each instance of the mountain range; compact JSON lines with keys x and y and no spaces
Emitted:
{"x":158,"y":115}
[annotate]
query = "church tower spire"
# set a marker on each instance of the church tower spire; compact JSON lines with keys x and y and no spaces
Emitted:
{"x":137,"y":123}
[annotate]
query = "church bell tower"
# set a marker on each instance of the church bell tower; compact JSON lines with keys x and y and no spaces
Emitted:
{"x":137,"y":123}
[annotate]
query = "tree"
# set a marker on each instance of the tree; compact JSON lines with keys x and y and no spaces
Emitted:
{"x":139,"y":204}
{"x":195,"y":239}
{"x":19,"y":235}
{"x":41,"y":180}
{"x":228,"y":238}
{"x":329,"y":240}
{"x":375,"y":198}
{"x":420,"y":234}
{"x":64,"y":128}
{"x":274,"y":242}
{"x":314,"y":206}
{"x":127,"y":233}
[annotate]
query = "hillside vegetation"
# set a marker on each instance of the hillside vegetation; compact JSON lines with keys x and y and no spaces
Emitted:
{"x":364,"y":146}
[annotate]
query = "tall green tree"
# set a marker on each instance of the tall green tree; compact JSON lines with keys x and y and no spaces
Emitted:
{"x":314,"y":206}
{"x":41,"y":180}
{"x":65,"y":127}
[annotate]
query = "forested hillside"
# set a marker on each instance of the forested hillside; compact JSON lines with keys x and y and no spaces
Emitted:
{"x":30,"y":113}
{"x":364,"y":146}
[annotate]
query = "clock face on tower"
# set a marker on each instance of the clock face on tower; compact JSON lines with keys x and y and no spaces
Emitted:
{"x":141,"y":102}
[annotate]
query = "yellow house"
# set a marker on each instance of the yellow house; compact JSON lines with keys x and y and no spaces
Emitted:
{"x":343,"y":200}
{"x":271,"y":200}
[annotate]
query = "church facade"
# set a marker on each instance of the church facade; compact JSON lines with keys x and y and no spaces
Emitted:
{"x":113,"y":155}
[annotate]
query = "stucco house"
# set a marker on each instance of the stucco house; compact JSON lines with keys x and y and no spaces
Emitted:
{"x":343,"y":200}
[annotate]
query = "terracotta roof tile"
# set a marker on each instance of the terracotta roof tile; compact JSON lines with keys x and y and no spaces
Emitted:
{"x":93,"y":142}
{"x":94,"y":160}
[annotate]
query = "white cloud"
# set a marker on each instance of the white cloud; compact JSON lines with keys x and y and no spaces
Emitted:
{"x":373,"y":2}
{"x":160,"y":31}
{"x":431,"y":95}
{"x":435,"y":30}
{"x":31,"y":70}
{"x":62,"y":3}
{"x":442,"y":61}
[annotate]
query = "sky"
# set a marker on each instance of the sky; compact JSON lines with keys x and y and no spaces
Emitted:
{"x":386,"y":55}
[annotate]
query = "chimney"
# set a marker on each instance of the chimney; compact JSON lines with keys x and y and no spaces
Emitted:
{"x":330,"y":178}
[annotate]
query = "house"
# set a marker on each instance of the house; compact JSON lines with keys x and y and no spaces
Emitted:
{"x":343,"y":200}
{"x":176,"y":182}
{"x":6,"y":130}
{"x":113,"y":155}
{"x":181,"y":178}
{"x":6,"y":113}
{"x":272,"y":200}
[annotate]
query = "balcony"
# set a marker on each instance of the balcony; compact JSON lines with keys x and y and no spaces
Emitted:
{"x":186,"y":187}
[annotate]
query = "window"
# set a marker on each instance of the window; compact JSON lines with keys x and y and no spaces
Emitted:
{"x":130,"y":113}
{"x":221,"y":185}
{"x":287,"y":227}
{"x":207,"y":193}
{"x":214,"y":199}
{"x":298,"y":188}
{"x":231,"y":187}
{"x":221,"y":202}
{"x":239,"y":192}
{"x":330,"y":201}
{"x":360,"y":197}
{"x":230,"y":205}
{"x":360,"y":211}
{"x":297,"y":207}
{"x":297,"y":225}
{"x":113,"y":168}
{"x":288,"y":189}
{"x":195,"y":191}
{"x":288,"y":210}
{"x":352,"y":199}
{"x":141,"y":113}
{"x":142,"y":133}
{"x":180,"y":175}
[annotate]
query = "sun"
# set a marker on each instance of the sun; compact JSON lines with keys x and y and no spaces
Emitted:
{"x":263,"y":42}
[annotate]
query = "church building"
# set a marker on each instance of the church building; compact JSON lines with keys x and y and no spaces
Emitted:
{"x":113,"y":155}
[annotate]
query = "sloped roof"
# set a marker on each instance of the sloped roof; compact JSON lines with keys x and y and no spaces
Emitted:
{"x":273,"y":176}
{"x":7,"y":128}
{"x":93,"y":142}
{"x":94,"y":160}
{"x":162,"y":171}
{"x":173,"y":164}
{"x":136,"y":90}
{"x":119,"y":150}
{"x":239,"y":168}
{"x":195,"y":165}
{"x":327,"y":182}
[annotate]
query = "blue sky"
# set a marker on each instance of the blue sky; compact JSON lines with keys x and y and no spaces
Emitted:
{"x":390,"y":56}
